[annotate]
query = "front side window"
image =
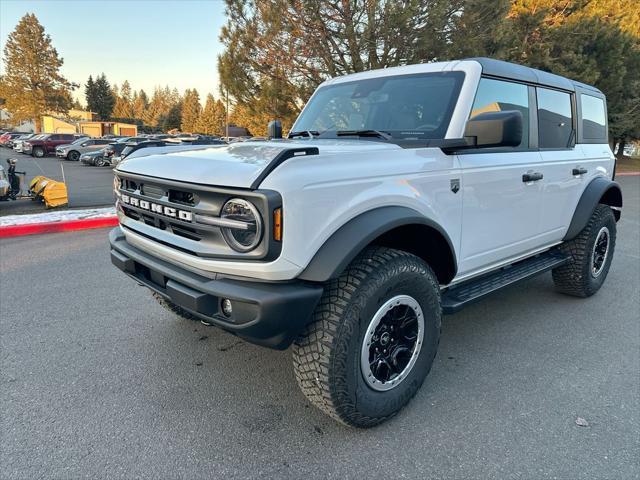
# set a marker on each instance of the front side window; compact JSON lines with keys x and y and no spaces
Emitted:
{"x":555,"y":127}
{"x":594,"y":120}
{"x":405,"y":106}
{"x":499,"y":96}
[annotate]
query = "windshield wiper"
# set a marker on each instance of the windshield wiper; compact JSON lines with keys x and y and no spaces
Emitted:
{"x":364,"y":133}
{"x":304,"y":133}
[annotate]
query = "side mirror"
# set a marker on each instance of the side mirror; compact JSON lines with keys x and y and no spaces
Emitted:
{"x":495,"y":129}
{"x":274,"y":129}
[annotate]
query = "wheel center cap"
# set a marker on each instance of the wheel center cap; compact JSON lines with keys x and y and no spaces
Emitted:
{"x":385,"y":338}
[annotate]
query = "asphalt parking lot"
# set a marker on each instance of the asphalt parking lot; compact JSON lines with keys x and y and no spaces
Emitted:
{"x":86,"y":186}
{"x":99,"y":381}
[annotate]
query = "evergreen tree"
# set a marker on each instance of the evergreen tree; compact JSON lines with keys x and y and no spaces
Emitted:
{"x":32,"y":84}
{"x":604,"y":50}
{"x":171,"y":120}
{"x":123,"y":107}
{"x":191,"y":110}
{"x":140,"y":105}
{"x":213,"y":118}
{"x":596,"y":42}
{"x":160,"y":106}
{"x":90,"y":94}
{"x":102,"y":100}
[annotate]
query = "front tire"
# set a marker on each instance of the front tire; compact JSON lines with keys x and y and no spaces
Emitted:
{"x":38,"y":152}
{"x":73,"y":156}
{"x":591,"y":254}
{"x":100,"y":162}
{"x":385,"y":298}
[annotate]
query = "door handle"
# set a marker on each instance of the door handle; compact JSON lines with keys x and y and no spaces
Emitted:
{"x":579,"y":171}
{"x":531,"y":177}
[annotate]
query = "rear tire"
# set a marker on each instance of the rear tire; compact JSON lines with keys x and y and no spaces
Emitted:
{"x":38,"y":152}
{"x":336,"y":361}
{"x":591,"y":255}
{"x":172,"y":307}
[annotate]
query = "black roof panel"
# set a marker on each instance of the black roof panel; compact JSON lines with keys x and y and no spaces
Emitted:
{"x":499,"y":68}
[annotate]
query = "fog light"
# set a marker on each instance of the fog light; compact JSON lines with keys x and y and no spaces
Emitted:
{"x":227,"y":308}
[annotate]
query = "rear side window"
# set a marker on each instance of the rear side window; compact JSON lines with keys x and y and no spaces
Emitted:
{"x":554,"y":119}
{"x":499,"y":96}
{"x":594,"y":121}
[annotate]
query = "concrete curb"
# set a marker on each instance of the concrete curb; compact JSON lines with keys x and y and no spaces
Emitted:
{"x":627,"y":174}
{"x":59,"y":221}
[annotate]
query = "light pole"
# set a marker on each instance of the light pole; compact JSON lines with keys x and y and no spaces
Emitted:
{"x":227,"y":111}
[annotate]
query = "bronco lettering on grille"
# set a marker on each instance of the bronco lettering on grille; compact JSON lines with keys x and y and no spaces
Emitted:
{"x":157,"y":208}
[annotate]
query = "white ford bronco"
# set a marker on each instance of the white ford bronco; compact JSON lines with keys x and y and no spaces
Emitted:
{"x":400,"y":195}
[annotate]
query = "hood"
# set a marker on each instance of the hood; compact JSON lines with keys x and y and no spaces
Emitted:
{"x":235,"y":165}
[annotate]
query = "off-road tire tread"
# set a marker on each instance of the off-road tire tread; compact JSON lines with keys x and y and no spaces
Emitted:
{"x":172,"y":307}
{"x":571,"y":278}
{"x":327,"y":335}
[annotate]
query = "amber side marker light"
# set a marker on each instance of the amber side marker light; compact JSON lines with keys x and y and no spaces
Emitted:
{"x":277,"y":224}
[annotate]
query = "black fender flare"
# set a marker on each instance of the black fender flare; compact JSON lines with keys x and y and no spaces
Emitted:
{"x":600,"y":190}
{"x":352,"y":237}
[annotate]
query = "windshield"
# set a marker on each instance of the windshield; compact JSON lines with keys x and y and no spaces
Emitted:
{"x":405,"y":106}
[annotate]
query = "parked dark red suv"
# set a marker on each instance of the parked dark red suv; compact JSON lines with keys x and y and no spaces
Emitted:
{"x":46,"y":145}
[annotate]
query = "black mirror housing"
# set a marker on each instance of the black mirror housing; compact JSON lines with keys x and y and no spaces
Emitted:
{"x":274,"y":129}
{"x":495,"y":129}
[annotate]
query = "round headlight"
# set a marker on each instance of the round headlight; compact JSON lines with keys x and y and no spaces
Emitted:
{"x":248,"y":232}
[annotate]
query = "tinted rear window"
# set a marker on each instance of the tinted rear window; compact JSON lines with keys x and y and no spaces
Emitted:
{"x":594,"y":119}
{"x":554,"y":118}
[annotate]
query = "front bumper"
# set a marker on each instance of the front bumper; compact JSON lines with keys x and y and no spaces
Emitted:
{"x":267,"y":314}
{"x":61,"y":154}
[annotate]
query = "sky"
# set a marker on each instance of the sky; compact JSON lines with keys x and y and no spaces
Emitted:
{"x":148,"y":42}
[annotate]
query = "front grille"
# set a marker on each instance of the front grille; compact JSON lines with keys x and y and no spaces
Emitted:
{"x":146,"y":200}
{"x":187,"y":216}
{"x":153,"y":191}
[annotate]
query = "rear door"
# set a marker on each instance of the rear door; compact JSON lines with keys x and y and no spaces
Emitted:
{"x":500,"y":213}
{"x":564,"y":165}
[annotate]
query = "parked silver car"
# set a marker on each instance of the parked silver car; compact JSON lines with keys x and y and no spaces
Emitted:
{"x":17,"y":143}
{"x":75,"y":150}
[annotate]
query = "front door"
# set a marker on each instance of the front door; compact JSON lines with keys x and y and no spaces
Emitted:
{"x":501,"y":206}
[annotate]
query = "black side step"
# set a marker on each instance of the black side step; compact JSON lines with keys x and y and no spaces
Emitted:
{"x":456,"y":297}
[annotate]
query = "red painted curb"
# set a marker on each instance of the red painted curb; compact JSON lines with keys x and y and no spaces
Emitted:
{"x":62,"y":226}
